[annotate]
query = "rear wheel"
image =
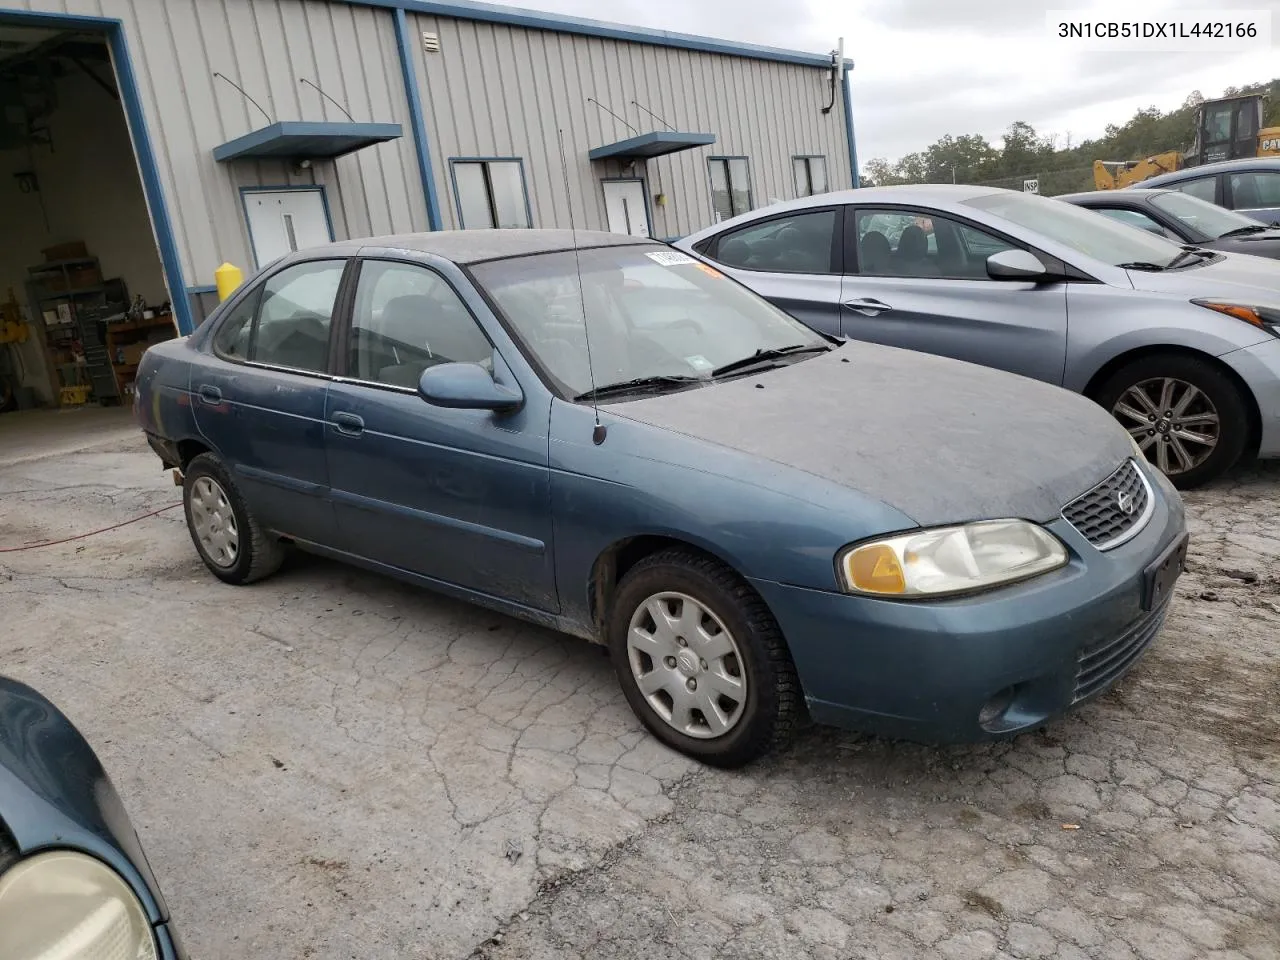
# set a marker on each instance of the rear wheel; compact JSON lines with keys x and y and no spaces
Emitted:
{"x":701,"y":659}
{"x":1189,"y":418}
{"x":227,"y":536}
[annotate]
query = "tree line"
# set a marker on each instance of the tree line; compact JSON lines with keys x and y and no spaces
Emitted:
{"x":1060,"y":167}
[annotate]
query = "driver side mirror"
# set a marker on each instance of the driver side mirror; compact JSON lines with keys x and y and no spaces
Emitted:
{"x":466,"y":386}
{"x":1016,"y":265}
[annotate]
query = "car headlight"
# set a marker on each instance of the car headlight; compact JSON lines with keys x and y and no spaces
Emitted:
{"x":68,"y":906}
{"x":951,"y":560}
{"x":1265,"y":318}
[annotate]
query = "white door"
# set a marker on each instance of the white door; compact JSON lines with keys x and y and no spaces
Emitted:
{"x":283,"y":221}
{"x":625,"y":208}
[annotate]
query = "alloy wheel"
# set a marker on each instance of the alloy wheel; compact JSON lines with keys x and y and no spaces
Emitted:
{"x":1174,"y":422}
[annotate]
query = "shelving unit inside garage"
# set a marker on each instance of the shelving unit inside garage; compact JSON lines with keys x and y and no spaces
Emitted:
{"x":93,"y":336}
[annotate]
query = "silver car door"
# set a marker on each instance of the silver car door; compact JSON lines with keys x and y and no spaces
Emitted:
{"x":793,"y":260}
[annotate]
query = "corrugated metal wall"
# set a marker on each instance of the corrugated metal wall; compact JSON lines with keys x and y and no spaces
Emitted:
{"x":267,"y":47}
{"x":496,"y":90}
{"x":492,"y":90}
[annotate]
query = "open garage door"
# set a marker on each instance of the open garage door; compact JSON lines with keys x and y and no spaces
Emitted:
{"x":82,"y":287}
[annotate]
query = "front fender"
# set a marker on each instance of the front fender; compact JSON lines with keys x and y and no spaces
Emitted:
{"x":1105,"y":323}
{"x":54,"y":793}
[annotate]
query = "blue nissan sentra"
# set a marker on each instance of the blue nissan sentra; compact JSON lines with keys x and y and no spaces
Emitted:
{"x":600,"y":434}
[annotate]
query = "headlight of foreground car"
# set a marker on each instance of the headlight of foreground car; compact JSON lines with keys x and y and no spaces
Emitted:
{"x":951,"y":560}
{"x":67,"y":906}
{"x":1267,"y":318}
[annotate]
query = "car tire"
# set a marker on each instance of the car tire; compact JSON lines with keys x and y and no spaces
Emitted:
{"x":733,"y":627}
{"x":226,"y":534}
{"x":1215,"y":388}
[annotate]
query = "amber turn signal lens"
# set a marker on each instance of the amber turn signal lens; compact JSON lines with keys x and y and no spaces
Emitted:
{"x":875,"y":569}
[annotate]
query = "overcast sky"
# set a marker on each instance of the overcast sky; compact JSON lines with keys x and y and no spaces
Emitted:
{"x":925,"y":68}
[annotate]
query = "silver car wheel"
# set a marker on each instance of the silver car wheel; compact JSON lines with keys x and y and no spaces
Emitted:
{"x":214,"y":522}
{"x":687,"y":665}
{"x":1174,"y":422}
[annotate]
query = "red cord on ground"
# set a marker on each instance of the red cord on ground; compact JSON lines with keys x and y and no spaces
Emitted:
{"x":94,"y":533}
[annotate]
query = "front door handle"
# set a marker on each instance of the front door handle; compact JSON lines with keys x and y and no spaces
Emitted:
{"x":868,"y":306}
{"x":210,"y":394}
{"x":348,"y":424}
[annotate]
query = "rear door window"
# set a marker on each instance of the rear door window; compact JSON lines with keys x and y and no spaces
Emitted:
{"x":802,"y":243}
{"x":286,"y":321}
{"x":1206,"y":188}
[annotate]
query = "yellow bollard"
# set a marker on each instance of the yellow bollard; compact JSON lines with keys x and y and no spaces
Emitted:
{"x":228,"y":278}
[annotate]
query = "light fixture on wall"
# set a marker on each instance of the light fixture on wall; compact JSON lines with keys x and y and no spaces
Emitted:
{"x":301,"y":166}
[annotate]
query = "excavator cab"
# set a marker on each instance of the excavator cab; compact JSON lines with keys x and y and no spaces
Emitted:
{"x":1226,"y":129}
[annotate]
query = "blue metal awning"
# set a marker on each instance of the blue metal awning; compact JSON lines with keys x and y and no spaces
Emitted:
{"x":650,"y":145}
{"x":306,"y":140}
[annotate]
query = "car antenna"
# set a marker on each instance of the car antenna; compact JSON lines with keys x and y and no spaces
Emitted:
{"x":600,"y":431}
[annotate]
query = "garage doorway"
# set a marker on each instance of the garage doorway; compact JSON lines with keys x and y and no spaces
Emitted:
{"x":87,"y":250}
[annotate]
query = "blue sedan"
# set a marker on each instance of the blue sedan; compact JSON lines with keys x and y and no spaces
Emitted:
{"x":603,"y":435}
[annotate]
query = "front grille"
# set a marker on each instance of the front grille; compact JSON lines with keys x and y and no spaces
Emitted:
{"x":1102,"y":664}
{"x":1113,"y":511}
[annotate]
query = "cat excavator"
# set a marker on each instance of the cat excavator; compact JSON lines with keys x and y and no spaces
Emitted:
{"x":1226,"y":129}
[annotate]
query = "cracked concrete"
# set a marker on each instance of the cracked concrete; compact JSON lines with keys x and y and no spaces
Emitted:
{"x":328,"y":764}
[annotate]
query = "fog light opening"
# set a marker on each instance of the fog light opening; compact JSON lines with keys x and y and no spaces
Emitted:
{"x":991,"y":716}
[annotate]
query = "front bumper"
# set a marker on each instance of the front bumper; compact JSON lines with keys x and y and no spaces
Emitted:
{"x":1259,"y":367}
{"x":981,"y":667}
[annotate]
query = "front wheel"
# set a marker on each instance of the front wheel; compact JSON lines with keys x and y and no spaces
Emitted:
{"x":701,"y":659}
{"x":1189,"y":418}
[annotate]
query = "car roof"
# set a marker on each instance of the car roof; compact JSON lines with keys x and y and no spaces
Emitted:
{"x":1222,"y":166}
{"x":473,"y":246}
{"x":1133,"y":193}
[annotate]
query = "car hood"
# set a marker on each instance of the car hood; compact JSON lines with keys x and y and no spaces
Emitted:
{"x":1256,"y":244}
{"x":1254,"y":279}
{"x":940,"y":440}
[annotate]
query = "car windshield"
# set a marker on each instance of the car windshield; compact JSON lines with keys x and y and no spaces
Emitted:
{"x":1085,"y":231}
{"x":652,"y":312}
{"x":1206,"y":218}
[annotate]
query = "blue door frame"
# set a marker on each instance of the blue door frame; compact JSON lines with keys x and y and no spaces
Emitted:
{"x":166,"y":239}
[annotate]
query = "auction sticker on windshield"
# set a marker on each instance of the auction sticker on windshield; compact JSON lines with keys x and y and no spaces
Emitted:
{"x":670,"y":258}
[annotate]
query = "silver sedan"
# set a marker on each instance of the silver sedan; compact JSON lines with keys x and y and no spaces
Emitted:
{"x":1181,"y":344}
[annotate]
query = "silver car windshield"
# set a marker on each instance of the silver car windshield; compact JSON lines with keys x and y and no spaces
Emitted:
{"x":1207,"y":218}
{"x":1085,"y":231}
{"x":652,"y":312}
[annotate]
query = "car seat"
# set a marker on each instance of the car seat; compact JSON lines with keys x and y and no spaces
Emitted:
{"x":912,"y":252}
{"x":874,"y":253}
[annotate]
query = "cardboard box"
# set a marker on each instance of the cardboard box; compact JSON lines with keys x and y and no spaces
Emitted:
{"x":131,"y":353}
{"x":73,"y":250}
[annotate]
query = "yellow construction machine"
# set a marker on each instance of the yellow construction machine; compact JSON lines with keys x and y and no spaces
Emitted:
{"x":1226,"y":129}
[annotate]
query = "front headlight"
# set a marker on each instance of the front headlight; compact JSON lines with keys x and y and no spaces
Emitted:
{"x":1265,"y":318}
{"x":951,"y":560}
{"x":67,"y":906}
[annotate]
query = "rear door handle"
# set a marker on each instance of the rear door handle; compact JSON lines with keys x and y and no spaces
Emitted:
{"x":349,"y":424}
{"x":868,"y":305}
{"x":210,"y":394}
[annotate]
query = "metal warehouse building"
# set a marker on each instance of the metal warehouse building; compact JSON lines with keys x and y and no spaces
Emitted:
{"x":145,"y":142}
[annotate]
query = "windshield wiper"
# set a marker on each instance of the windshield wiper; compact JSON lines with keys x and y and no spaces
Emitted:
{"x":638,"y":385}
{"x":1141,"y":265}
{"x":762,"y":356}
{"x":1247,"y":229}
